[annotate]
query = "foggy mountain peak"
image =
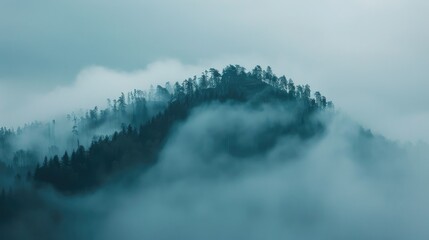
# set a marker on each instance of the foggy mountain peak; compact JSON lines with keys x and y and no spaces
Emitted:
{"x":231,"y":154}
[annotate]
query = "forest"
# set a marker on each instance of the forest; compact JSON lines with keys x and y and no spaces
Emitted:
{"x":112,"y":148}
{"x":138,"y":124}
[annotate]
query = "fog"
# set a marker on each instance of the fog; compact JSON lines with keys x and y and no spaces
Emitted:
{"x":225,"y":173}
{"x":338,"y":185}
{"x":316,"y":189}
{"x":92,"y":87}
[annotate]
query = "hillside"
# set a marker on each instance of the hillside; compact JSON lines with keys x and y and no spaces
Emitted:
{"x":215,"y":126}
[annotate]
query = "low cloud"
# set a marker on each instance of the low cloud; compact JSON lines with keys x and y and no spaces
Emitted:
{"x":312,"y":189}
{"x":216,"y":179}
{"x":92,"y":87}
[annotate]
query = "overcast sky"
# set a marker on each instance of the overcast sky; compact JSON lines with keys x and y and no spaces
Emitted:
{"x":370,"y":57}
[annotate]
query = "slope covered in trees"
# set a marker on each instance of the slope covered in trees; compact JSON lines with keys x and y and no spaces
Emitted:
{"x":87,"y":168}
{"x":144,"y":123}
{"x":23,"y":148}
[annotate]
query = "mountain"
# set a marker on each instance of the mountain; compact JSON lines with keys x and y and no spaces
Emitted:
{"x":86,"y":169}
{"x":214,"y":126}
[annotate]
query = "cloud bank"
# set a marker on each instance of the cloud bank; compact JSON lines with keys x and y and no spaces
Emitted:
{"x":341,"y":184}
{"x":316,"y":189}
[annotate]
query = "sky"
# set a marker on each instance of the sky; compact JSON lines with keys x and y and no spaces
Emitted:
{"x":370,"y":57}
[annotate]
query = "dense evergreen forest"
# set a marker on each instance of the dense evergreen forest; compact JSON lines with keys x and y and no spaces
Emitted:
{"x":109,"y":145}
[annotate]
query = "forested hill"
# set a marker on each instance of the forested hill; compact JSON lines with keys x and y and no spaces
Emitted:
{"x":136,"y":146}
{"x":85,"y":169}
